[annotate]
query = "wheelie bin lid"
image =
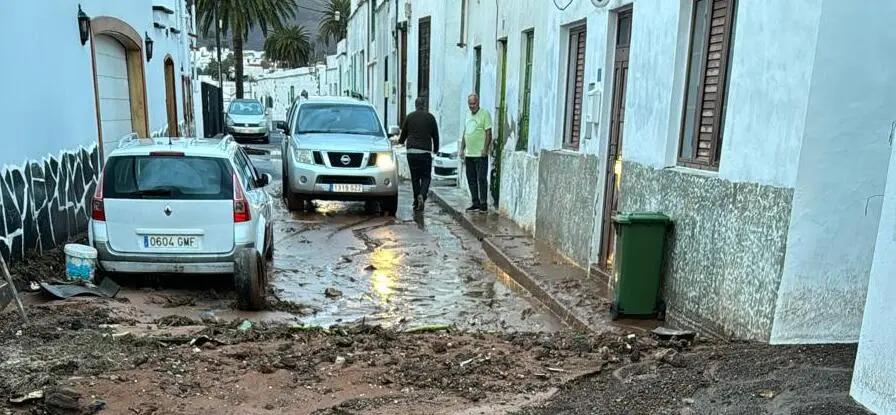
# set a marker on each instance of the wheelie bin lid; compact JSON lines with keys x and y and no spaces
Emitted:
{"x":641,"y":217}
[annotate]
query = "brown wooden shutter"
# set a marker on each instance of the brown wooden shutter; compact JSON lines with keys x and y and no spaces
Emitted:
{"x":714,"y":83}
{"x":577,"y":74}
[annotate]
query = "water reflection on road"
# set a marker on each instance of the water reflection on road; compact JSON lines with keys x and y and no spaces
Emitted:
{"x":402,"y":271}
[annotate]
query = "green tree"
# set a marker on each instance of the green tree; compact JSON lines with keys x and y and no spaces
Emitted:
{"x":237,"y":18}
{"x":212,"y":68}
{"x":289,"y":46}
{"x":329,"y":27}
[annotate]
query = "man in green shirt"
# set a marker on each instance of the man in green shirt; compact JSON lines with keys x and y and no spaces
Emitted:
{"x":474,"y":148}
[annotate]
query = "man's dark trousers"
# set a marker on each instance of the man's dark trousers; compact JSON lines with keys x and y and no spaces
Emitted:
{"x":420,"y":165}
{"x":477,"y":179}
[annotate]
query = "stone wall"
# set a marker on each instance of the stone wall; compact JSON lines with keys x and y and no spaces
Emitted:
{"x":519,"y":188}
{"x":45,"y":203}
{"x":726,"y":255}
{"x":567,"y":183}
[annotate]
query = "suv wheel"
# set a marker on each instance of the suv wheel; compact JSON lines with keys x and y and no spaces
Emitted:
{"x":293,"y":202}
{"x":250,"y":278}
{"x":389,"y":205}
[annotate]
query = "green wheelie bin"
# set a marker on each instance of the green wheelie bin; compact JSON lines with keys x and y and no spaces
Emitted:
{"x":638,"y":264}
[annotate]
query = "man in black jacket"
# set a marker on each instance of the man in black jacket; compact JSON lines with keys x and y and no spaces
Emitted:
{"x":421,"y":134}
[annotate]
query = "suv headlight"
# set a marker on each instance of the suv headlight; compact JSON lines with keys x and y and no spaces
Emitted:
{"x":303,"y":156}
{"x":385,"y":161}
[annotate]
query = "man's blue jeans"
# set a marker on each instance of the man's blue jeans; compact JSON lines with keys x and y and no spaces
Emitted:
{"x":477,"y":179}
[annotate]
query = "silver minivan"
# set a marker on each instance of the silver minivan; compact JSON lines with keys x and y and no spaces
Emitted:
{"x":184,"y":206}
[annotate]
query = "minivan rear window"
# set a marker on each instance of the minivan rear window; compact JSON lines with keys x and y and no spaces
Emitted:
{"x":167,"y":177}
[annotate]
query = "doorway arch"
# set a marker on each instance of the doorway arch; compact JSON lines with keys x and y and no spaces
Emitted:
{"x":171,"y":96}
{"x":118,"y":78}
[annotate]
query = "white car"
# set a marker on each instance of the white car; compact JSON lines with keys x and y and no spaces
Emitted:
{"x":445,"y":163}
{"x":192,"y":206}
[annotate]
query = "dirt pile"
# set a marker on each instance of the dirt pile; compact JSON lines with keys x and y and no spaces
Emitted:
{"x":80,"y":345}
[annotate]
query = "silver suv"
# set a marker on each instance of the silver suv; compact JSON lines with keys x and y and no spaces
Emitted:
{"x":190,"y":206}
{"x":337,"y":150}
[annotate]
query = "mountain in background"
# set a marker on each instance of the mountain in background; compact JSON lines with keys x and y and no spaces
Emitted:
{"x":307,"y":16}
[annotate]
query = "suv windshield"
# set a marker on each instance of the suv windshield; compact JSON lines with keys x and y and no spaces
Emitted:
{"x":338,"y":118}
{"x":245,"y":108}
{"x":167,"y":177}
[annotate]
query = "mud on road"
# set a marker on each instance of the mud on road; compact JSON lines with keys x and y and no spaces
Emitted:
{"x":92,"y":354}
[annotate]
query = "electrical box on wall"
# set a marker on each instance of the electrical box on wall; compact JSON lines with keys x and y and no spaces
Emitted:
{"x":593,"y":101}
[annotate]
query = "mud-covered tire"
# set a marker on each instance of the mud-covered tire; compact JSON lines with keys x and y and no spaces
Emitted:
{"x":389,"y":205}
{"x":249,"y":277}
{"x":293,"y":202}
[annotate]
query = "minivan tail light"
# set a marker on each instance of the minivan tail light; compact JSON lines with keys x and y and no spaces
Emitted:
{"x":240,"y":204}
{"x":167,"y":153}
{"x":98,"y":208}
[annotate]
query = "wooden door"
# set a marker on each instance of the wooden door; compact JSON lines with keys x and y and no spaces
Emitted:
{"x":617,"y":121}
{"x":171,"y":97}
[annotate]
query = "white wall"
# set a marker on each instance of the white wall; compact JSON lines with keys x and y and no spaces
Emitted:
{"x":767,"y":95}
{"x":55,"y":68}
{"x":277,"y":85}
{"x":874,"y":377}
{"x":843,"y":162}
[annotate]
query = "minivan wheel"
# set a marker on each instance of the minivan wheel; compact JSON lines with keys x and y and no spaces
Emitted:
{"x":293,"y":202}
{"x":249,"y":277}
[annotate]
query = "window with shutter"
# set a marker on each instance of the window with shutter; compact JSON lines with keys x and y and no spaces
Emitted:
{"x":702,"y":126}
{"x":575,"y":80}
{"x":477,"y":66}
{"x":528,"y":40}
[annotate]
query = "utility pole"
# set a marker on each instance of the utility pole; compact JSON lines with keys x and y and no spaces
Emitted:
{"x":220,"y":69}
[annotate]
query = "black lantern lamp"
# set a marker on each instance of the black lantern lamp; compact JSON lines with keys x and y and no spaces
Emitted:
{"x":148,"y":42}
{"x":83,"y":25}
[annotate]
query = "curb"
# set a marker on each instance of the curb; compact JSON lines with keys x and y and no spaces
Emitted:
{"x":516,"y":273}
{"x":458,"y":216}
{"x":524,"y":279}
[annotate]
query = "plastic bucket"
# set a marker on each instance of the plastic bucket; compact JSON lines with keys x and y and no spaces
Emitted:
{"x":80,"y":262}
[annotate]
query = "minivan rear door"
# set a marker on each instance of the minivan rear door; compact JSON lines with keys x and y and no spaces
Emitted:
{"x":169,"y":203}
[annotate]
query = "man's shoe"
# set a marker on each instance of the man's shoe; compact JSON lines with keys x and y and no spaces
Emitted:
{"x":419,"y":203}
{"x":483,"y":209}
{"x":473,"y":208}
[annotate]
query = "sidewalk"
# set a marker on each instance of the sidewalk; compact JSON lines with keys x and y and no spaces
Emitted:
{"x":581,"y":302}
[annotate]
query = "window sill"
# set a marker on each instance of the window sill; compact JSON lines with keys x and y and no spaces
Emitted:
{"x":694,"y":171}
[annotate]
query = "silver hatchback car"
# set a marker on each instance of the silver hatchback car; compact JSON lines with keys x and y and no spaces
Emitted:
{"x":338,"y":150}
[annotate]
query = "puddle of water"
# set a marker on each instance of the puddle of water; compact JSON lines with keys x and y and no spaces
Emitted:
{"x":396,"y":272}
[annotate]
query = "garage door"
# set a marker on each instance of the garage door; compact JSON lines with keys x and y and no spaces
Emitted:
{"x":112,"y":82}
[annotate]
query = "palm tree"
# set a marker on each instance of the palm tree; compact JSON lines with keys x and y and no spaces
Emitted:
{"x":289,"y":45}
{"x":237,"y":18}
{"x":330,"y":28}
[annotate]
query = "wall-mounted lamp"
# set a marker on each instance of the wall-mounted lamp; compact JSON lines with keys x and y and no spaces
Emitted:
{"x":149,"y":43}
{"x":83,"y":25}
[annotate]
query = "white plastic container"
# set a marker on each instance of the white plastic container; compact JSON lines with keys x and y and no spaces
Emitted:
{"x":80,"y":262}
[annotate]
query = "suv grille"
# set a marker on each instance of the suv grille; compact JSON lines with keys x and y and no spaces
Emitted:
{"x":354,"y":159}
{"x":366,"y":180}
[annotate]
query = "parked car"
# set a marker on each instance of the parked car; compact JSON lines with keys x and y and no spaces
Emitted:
{"x":246,"y":118}
{"x":337,"y":149}
{"x":194,"y":206}
{"x":445,"y":163}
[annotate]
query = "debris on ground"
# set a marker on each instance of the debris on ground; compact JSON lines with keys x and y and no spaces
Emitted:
{"x":245,"y":325}
{"x":332,"y":293}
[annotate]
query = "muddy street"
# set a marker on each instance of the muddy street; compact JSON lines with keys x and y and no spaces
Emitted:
{"x":349,"y":266}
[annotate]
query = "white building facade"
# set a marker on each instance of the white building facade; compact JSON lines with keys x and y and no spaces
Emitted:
{"x":72,"y":93}
{"x":744,"y":122}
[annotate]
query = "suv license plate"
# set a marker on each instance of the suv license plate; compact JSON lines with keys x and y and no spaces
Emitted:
{"x":347,"y":188}
{"x":170,"y":241}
